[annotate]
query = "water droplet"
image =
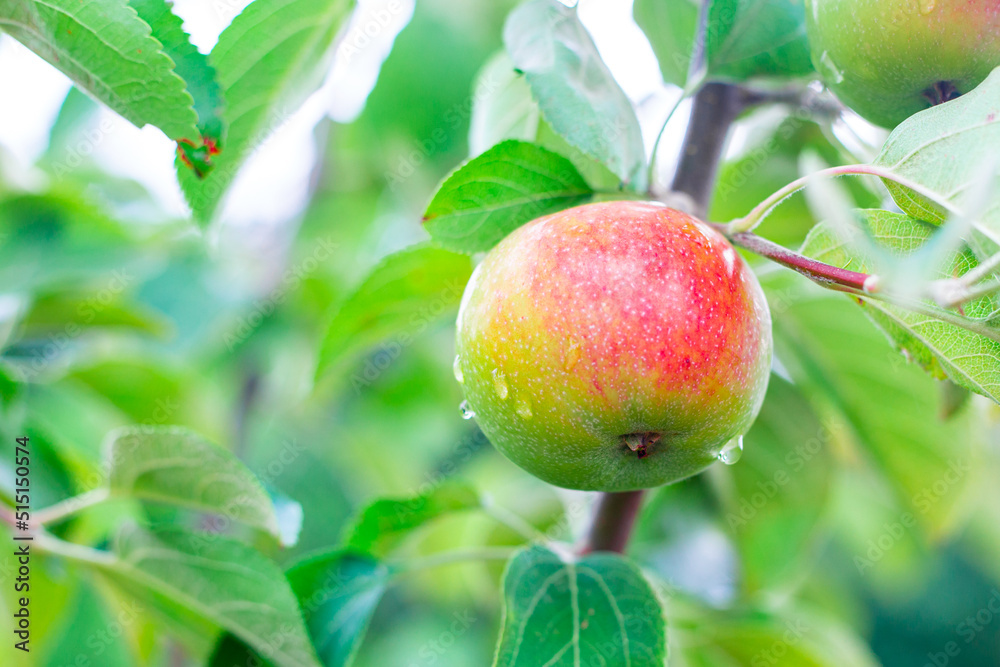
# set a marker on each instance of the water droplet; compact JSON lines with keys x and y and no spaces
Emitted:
{"x":572,"y":354}
{"x":524,"y":407}
{"x":457,"y":368}
{"x":467,"y":412}
{"x":500,"y":383}
{"x":732,"y":452}
{"x":826,"y":62}
{"x":927,"y":6}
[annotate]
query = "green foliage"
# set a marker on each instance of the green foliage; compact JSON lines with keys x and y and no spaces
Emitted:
{"x":960,"y":134}
{"x":190,"y":65}
{"x":495,"y":193}
{"x":889,"y":408}
{"x":386,"y":521}
{"x":177,"y":467}
{"x":568,"y":611}
{"x":108,"y":51}
{"x":672,"y":27}
{"x":741,"y":40}
{"x":194,"y":68}
{"x":574,"y":88}
{"x":763,"y":637}
{"x":338,"y":592}
{"x":966,"y":357}
{"x":756,"y":38}
{"x":265,"y":76}
{"x":773,"y":501}
{"x":403,"y":295}
{"x":859,"y":513}
{"x":207,"y":583}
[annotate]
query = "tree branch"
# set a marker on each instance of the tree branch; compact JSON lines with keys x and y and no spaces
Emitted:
{"x":715,"y":108}
{"x":613,"y":521}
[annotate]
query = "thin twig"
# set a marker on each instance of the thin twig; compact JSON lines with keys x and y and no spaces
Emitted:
{"x":750,"y":221}
{"x":824,"y":274}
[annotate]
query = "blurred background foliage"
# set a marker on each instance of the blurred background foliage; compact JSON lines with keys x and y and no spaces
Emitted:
{"x":842,"y":508}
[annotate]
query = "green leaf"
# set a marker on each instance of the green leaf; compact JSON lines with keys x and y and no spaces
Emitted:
{"x":199,"y":75}
{"x":671,"y":27}
{"x":269,"y":60}
{"x":87,"y":617}
{"x":503,"y":109}
{"x":177,"y":467}
{"x":747,"y":39}
{"x":598,"y":609}
{"x":107,"y":50}
{"x":190,"y":64}
{"x":574,"y":89}
{"x":753,"y":637}
{"x":778,"y":491}
{"x":386,"y":520}
{"x":969,"y":359}
{"x":338,"y":592}
{"x":57,"y":311}
{"x":490,"y":196}
{"x":209,"y":582}
{"x":945,"y":149}
{"x":401,"y":297}
{"x":889,"y":409}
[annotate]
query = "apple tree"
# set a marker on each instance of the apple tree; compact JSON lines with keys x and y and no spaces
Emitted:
{"x":539,"y":373}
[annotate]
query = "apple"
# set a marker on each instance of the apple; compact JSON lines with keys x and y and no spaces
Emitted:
{"x":889,"y":59}
{"x":613,"y":346}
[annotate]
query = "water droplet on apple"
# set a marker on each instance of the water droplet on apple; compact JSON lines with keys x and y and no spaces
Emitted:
{"x":457,"y":369}
{"x":826,"y":62}
{"x":572,"y":354}
{"x":500,"y":383}
{"x":927,"y":6}
{"x":523,"y":407}
{"x":732,"y":452}
{"x":467,"y":412}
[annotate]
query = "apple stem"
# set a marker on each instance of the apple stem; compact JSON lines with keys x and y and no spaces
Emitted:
{"x":826,"y":275}
{"x":613,"y":521}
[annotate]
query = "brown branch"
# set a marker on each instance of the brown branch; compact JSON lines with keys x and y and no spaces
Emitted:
{"x":715,"y":108}
{"x":613,"y":521}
